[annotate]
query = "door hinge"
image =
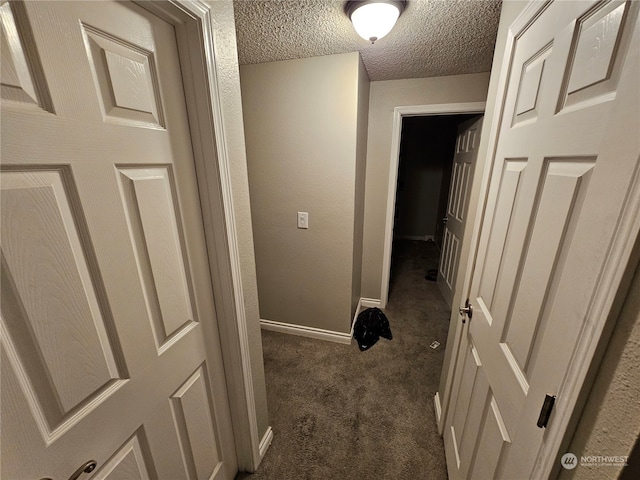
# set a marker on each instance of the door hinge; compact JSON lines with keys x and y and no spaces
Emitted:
{"x":545,"y":412}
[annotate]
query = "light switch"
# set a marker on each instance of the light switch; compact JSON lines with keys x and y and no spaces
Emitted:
{"x":303,"y":220}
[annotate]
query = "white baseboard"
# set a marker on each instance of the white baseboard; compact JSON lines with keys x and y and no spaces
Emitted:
{"x":370,"y":302}
{"x":437,"y":407}
{"x":319,"y":333}
{"x":305,"y":331}
{"x":421,"y":238}
{"x":267,"y":438}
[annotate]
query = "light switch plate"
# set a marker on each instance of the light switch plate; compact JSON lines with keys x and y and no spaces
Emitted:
{"x":303,"y":220}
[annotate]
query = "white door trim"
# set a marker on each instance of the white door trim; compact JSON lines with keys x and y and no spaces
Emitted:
{"x":398,"y":114}
{"x":198,"y":51}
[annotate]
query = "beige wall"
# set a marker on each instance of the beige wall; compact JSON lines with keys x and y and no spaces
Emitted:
{"x":229,"y":83}
{"x":610,"y":421}
{"x":383,"y":98}
{"x":301,"y":131}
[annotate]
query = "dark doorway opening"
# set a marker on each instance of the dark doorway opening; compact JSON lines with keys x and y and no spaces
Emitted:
{"x":427,"y":148}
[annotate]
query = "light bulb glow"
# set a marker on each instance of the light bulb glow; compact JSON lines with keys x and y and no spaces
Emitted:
{"x":373,"y":21}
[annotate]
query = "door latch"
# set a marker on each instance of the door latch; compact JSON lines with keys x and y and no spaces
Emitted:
{"x":545,"y":412}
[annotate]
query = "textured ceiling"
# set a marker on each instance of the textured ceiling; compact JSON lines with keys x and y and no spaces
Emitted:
{"x":432,"y":37}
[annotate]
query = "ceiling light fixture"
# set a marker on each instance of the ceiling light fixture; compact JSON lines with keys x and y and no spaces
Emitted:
{"x":373,"y":19}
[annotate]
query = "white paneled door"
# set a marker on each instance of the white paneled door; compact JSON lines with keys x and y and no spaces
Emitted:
{"x":110,"y":347}
{"x":464,"y":161}
{"x":564,"y":172}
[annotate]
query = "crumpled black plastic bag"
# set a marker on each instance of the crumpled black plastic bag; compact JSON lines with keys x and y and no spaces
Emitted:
{"x":371,"y":324}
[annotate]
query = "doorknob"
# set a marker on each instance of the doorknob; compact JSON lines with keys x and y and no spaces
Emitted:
{"x":444,"y":220}
{"x":87,"y":467}
{"x":466,"y":310}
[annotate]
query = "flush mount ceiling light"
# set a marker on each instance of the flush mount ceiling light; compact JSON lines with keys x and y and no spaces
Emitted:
{"x":373,"y":19}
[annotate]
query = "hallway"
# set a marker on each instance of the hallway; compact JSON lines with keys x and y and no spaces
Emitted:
{"x":338,"y":413}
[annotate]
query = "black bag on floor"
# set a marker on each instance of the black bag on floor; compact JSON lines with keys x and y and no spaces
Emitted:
{"x":371,"y":324}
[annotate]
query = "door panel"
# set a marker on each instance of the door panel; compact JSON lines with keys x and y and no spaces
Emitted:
{"x":130,"y":462}
{"x":562,"y":172}
{"x":503,"y":214}
{"x":196,"y":430}
{"x":21,"y":76}
{"x":468,"y":415}
{"x":494,"y":440}
{"x":558,"y":204}
{"x":477,"y":416}
{"x":126,"y":79}
{"x":448,"y":263}
{"x":463,"y":164}
{"x":110,"y":347}
{"x":148,"y":195}
{"x":52,"y":302}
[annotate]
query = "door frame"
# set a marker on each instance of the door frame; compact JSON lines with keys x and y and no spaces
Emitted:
{"x":198,"y":51}
{"x":605,"y":304}
{"x":398,"y":114}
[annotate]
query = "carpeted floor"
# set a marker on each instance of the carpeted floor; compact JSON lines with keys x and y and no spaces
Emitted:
{"x":341,"y":414}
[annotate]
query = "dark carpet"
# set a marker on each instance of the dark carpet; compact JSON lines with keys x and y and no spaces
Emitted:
{"x":338,"y":413}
